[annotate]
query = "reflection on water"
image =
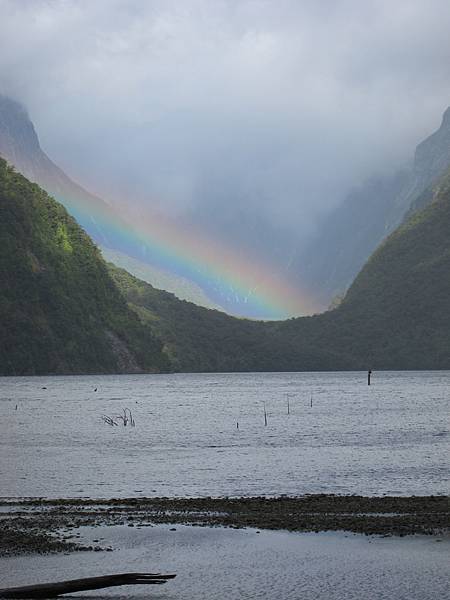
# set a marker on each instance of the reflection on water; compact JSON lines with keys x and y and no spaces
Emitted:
{"x":200,"y":435}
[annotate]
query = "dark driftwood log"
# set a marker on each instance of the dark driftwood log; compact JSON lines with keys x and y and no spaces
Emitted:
{"x":51,"y":590}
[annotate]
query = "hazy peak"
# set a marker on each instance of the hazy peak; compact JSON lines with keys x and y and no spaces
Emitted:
{"x":17,"y":134}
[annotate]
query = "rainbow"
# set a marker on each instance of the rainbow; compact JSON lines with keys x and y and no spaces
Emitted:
{"x":228,"y":277}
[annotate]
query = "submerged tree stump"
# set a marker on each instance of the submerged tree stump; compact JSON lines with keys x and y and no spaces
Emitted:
{"x":52,"y":590}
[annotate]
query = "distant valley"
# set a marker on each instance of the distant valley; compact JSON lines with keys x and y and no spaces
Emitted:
{"x":62,"y":310}
{"x":323,"y":268}
{"x":346,"y":238}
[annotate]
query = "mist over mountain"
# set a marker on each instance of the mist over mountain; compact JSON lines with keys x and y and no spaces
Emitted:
{"x":19,"y":144}
{"x":62,"y":311}
{"x":242,"y":275}
{"x":324,"y":267}
{"x":346,"y":237}
{"x":246,"y":122}
{"x":235,"y":130}
{"x":432,"y":158}
{"x":396,"y":314}
{"x":250,"y":233}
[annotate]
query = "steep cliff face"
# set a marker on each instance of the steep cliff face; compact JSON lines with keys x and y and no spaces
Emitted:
{"x":18,"y":139}
{"x":19,"y":145}
{"x":347,"y":237}
{"x":431,"y":160}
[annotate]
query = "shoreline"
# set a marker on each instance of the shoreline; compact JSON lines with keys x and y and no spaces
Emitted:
{"x":39,"y":526}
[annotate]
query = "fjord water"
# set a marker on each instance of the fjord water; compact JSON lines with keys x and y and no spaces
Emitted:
{"x":204,"y":435}
{"x":227,"y":564}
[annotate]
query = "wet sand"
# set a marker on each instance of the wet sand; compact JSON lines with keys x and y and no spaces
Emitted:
{"x":43,"y":526}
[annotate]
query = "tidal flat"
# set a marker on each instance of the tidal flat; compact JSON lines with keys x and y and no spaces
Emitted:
{"x":39,"y":526}
{"x":315,"y":547}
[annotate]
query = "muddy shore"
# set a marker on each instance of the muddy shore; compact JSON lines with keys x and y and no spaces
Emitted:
{"x":42,"y":526}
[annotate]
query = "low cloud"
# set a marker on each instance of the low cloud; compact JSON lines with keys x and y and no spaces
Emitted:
{"x":273,"y":107}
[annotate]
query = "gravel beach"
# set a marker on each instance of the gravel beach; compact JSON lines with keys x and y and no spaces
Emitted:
{"x":42,"y":526}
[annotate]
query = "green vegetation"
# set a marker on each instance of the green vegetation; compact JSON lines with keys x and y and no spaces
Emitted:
{"x":60,"y":312}
{"x":396,"y":314}
{"x":402,"y":296}
{"x":199,"y":339}
{"x":195,"y":338}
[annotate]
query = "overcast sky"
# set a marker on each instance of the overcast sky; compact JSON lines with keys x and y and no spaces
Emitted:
{"x":277,"y":105}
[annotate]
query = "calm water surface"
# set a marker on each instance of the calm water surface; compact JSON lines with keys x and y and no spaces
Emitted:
{"x":225,"y":564}
{"x":390,"y":438}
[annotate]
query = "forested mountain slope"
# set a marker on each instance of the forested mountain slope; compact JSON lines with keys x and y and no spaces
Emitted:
{"x":200,"y":339}
{"x":396,"y":315}
{"x":19,"y":145}
{"x":403,"y":292}
{"x":60,"y":312}
{"x":63,"y":311}
{"x":326,"y":266}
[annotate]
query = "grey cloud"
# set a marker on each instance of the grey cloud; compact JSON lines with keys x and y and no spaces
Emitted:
{"x":290,"y":103}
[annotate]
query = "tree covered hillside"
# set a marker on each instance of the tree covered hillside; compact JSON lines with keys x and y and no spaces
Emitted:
{"x":396,"y":314}
{"x":403,"y":293}
{"x":200,"y":339}
{"x":60,"y":312}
